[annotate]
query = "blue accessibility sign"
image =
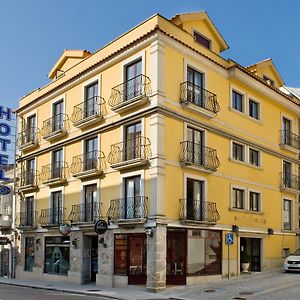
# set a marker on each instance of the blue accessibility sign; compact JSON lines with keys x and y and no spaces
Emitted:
{"x":229,"y":238}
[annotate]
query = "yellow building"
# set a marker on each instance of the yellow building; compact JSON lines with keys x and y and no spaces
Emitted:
{"x":171,"y":144}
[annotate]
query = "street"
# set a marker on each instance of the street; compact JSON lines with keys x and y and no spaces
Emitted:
{"x":8,"y":292}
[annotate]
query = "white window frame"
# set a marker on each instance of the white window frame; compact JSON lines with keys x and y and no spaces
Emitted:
{"x":244,"y":152}
{"x":90,"y":182}
{"x":188,"y":63}
{"x":232,"y":90}
{"x":195,"y":177}
{"x":259,"y":108}
{"x":92,"y":80}
{"x":259,"y":156}
{"x":185,"y":128}
{"x":292,"y":214}
{"x":250,"y":190}
{"x":140,"y":55}
{"x":132,"y":174}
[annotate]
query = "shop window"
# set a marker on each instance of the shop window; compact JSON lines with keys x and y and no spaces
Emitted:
{"x":57,"y":255}
{"x":29,"y":253}
{"x":204,"y":252}
{"x":121,"y":254}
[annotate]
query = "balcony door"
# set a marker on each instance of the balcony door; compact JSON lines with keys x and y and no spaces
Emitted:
{"x":56,"y":214}
{"x":133,"y":205}
{"x":195,"y":149}
{"x":195,"y":209}
{"x":58,"y":117}
{"x":28,"y":211}
{"x":133,"y":141}
{"x":91,"y":100}
{"x":195,"y":83}
{"x":30,"y":172}
{"x":286,"y":127}
{"x":91,"y":154}
{"x":91,"y":209}
{"x":133,"y":85}
{"x":287,"y":174}
{"x":57,"y":164}
{"x":30,"y":129}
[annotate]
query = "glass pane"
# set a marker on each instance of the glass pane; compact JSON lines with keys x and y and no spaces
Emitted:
{"x":175,"y":254}
{"x":120,"y":255}
{"x":137,"y":255}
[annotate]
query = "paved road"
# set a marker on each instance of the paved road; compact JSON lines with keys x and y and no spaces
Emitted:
{"x":8,"y":292}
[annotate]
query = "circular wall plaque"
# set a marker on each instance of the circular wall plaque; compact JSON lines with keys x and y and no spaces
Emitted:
{"x":4,"y":190}
{"x":64,"y":229}
{"x":100,"y":226}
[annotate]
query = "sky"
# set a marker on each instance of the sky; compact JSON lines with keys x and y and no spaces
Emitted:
{"x":34,"y":33}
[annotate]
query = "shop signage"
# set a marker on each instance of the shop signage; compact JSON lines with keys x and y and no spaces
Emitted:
{"x":100,"y":226}
{"x":4,"y":190}
{"x":5,"y":139}
{"x":64,"y":229}
{"x":4,"y":240}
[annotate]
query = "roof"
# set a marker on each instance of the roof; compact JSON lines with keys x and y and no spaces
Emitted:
{"x":201,"y":15}
{"x":292,"y":90}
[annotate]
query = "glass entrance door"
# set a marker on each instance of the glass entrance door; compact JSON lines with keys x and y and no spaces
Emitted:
{"x":176,"y":257}
{"x":137,"y":273}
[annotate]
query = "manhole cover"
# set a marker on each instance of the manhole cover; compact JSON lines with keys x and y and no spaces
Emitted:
{"x":209,"y":291}
{"x":246,"y":293}
{"x":93,"y":290}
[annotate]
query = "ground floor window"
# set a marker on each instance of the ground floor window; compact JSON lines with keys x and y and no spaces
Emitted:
{"x":29,"y":253}
{"x":204,"y":252}
{"x":57,"y":255}
{"x":121,"y":254}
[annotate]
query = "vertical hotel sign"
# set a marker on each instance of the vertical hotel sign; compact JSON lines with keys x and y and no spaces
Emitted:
{"x":5,"y":140}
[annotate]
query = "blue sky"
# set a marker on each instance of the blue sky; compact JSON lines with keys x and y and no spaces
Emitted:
{"x":34,"y":33}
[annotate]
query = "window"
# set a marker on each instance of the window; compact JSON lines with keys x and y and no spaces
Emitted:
{"x":30,"y":129}
{"x":268,"y":80}
{"x":195,"y":149}
{"x":91,"y":207}
{"x":133,"y":141}
{"x":91,"y":154}
{"x":57,"y":255}
{"x":134,"y":82}
{"x":195,"y":209}
{"x":238,"y":151}
{"x":58,"y":117}
{"x":237,"y":101}
{"x":28,"y":211}
{"x":195,"y":82}
{"x":30,"y":172}
{"x":133,"y":207}
{"x":286,"y":131}
{"x":287,"y":174}
{"x":254,"y":109}
{"x":254,"y":157}
{"x":57,"y":164}
{"x":29,"y":253}
{"x":199,"y":38}
{"x":287,"y":214}
{"x":238,"y":198}
{"x":254,"y":201}
{"x":57,"y":214}
{"x":91,"y":100}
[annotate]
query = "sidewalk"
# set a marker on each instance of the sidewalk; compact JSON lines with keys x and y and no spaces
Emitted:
{"x":140,"y":292}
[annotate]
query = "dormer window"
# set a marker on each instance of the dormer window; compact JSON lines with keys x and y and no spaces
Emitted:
{"x":268,"y":80}
{"x":199,"y":38}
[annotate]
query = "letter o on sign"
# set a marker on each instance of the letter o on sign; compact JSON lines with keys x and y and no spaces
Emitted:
{"x":4,"y":190}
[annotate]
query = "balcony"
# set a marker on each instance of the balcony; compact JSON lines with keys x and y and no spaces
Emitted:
{"x":197,"y":211}
{"x":88,"y":165}
{"x":131,"y":153}
{"x":200,"y":156}
{"x":26,"y":219}
{"x":29,"y":181}
{"x":85,"y":213}
{"x":198,"y":99}
{"x":130,"y":94}
{"x":55,"y":127}
{"x":88,"y":112}
{"x":289,"y":141}
{"x":55,"y":174}
{"x":52,"y":216}
{"x":289,"y":182}
{"x":130,"y":210}
{"x":28,"y":138}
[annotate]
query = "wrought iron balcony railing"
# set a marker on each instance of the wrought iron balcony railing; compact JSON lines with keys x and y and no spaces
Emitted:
{"x":135,"y":148}
{"x":27,"y":219}
{"x":290,"y":139}
{"x":192,"y":153}
{"x":139,"y":86}
{"x":52,"y":216}
{"x":93,"y":107}
{"x":191,"y":93}
{"x":29,"y":178}
{"x":55,"y":171}
{"x":27,"y":137}
{"x":91,"y":161}
{"x":58,"y":123}
{"x":85,"y":213}
{"x":289,"y":181}
{"x":128,"y":208}
{"x":197,"y":210}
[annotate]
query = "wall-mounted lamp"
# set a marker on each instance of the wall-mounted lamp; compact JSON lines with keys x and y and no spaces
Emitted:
{"x":101,"y":241}
{"x":149,"y":231}
{"x":270,"y":231}
{"x":235,"y":228}
{"x":75,"y":243}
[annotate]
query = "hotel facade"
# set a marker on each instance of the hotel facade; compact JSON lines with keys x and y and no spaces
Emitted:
{"x":171,"y":144}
